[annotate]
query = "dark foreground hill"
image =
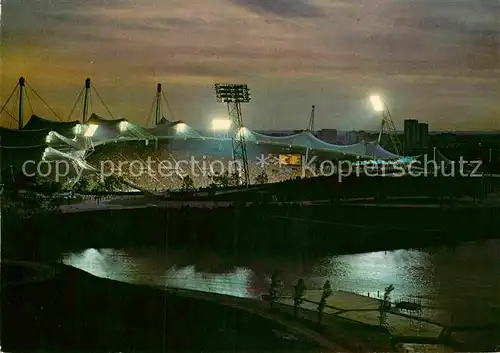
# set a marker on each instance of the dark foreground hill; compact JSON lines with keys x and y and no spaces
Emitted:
{"x":74,"y":311}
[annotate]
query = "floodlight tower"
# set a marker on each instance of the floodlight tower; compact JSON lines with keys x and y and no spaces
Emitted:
{"x":387,"y":124}
{"x":234,"y":95}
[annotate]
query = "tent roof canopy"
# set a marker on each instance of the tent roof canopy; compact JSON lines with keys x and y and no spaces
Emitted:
{"x":37,"y":123}
{"x":97,"y":120}
{"x":22,"y":138}
{"x":164,"y":121}
{"x":178,"y":129}
{"x":174,"y":129}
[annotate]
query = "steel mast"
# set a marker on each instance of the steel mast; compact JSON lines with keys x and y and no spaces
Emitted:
{"x":20,"y":117}
{"x":311,"y":120}
{"x":86,"y":100}
{"x":158,"y":105}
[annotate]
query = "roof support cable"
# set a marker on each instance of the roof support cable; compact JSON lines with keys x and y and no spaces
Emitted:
{"x":76,"y":103}
{"x":29,"y":103}
{"x":168,"y":105}
{"x":8,"y":100}
{"x":102,"y":101}
{"x":151,"y":111}
{"x":44,"y":102}
{"x":91,"y":102}
{"x":11,"y":116}
{"x":14,"y":107}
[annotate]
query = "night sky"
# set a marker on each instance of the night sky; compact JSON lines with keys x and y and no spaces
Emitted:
{"x":433,"y":60}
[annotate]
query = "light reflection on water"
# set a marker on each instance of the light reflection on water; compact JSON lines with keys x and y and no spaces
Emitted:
{"x":410,"y":271}
{"x":453,"y":280}
{"x":123,"y":266}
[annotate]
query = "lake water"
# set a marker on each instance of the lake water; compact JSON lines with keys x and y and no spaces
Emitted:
{"x":463,"y":283}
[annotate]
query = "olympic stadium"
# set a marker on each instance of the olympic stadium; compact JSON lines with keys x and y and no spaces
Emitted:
{"x":124,"y":148}
{"x":88,"y":146}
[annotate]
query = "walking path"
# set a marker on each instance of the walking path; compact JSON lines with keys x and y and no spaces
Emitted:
{"x":416,"y":331}
{"x":365,"y":309}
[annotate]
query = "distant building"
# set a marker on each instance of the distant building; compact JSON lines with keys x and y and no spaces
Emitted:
{"x":352,"y":137}
{"x":423,"y":135}
{"x":328,"y":135}
{"x":277,"y":132}
{"x":370,"y":136}
{"x":411,"y":133}
{"x":416,"y":135}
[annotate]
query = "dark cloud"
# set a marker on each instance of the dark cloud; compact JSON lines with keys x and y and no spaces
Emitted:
{"x":449,"y":25}
{"x":218,"y":70}
{"x":472,"y":45}
{"x":281,"y":8}
{"x":33,"y":14}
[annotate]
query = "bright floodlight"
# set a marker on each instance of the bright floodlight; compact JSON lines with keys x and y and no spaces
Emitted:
{"x":91,"y":129}
{"x":241,"y":132}
{"x":221,"y":124}
{"x":232,"y":93}
{"x":123,"y":126}
{"x":181,"y":127}
{"x":377,"y":103}
{"x":79,"y":129}
{"x":48,"y":139}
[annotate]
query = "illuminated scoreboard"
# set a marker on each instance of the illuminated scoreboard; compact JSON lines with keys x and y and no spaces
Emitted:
{"x":290,"y":159}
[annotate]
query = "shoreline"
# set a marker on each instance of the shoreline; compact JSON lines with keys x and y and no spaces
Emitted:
{"x":67,"y":323}
{"x":349,"y":322}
